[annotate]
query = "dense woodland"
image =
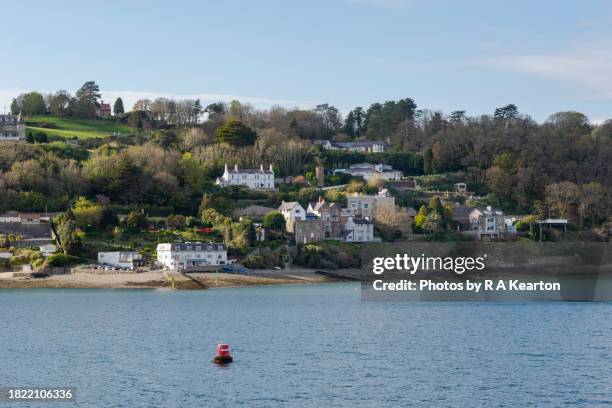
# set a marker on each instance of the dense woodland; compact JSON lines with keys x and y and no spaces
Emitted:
{"x":562,"y":167}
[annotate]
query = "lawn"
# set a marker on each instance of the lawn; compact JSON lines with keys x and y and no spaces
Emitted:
{"x":80,"y":128}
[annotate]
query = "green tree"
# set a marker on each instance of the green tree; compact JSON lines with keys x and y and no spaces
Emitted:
{"x":30,"y":104}
{"x":136,"y":221}
{"x":505,"y":113}
{"x":274,"y":220}
{"x":86,"y":102}
{"x":40,"y":137}
{"x":87,"y":213}
{"x":236,"y":133}
{"x":68,"y":233}
{"x":118,"y":107}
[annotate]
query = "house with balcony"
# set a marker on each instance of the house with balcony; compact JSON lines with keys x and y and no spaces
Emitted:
{"x":188,"y":255}
{"x":363,"y":146}
{"x":487,"y":223}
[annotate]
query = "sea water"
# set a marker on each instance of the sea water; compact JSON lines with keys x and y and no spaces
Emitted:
{"x":302,"y":346}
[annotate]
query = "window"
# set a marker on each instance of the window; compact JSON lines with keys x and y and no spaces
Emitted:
{"x":490,"y":219}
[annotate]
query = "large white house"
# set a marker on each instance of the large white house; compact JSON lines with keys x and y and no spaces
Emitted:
{"x":292,"y":211}
{"x":12,"y":128}
{"x":358,"y":230}
{"x":367,"y":171}
{"x":365,"y":146}
{"x":487,"y":222}
{"x":251,"y":178}
{"x":181,"y":255}
{"x":362,"y":205}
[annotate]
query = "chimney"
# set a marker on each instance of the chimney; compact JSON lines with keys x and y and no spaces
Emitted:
{"x":226,"y":170}
{"x":271,"y":169}
{"x":261,"y":166}
{"x":321,"y":199}
{"x":236,"y":167}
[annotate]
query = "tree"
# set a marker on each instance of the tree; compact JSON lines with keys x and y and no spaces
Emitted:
{"x":274,"y":220}
{"x":349,"y":124}
{"x":59,"y":103}
{"x":86,"y":103}
{"x":136,"y":221}
{"x":40,"y":137}
{"x":164,"y":138}
{"x":457,"y":117}
{"x":15,"y":107}
{"x":236,"y":133}
{"x":87,"y":213}
{"x":29,"y":104}
{"x":68,"y":233}
{"x":197,"y":110}
{"x":562,"y":198}
{"x":505,"y":113}
{"x":118,"y":107}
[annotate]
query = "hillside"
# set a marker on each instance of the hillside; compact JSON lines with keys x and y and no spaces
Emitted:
{"x":80,"y":128}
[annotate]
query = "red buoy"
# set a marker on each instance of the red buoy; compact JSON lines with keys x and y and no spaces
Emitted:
{"x":223,"y":355}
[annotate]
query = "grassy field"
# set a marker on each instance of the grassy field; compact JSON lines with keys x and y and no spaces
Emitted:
{"x":79,"y":128}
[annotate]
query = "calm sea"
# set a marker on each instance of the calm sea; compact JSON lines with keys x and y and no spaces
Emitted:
{"x":303,"y":346}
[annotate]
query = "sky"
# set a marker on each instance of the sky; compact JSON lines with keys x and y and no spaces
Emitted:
{"x":544,"y":56}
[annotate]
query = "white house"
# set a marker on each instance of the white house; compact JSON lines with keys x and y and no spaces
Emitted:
{"x":47,"y":249}
{"x":365,"y":146}
{"x":182,"y":255}
{"x":362,"y":205}
{"x":10,"y":216}
{"x":358,"y":230}
{"x":251,"y":178}
{"x":12,"y":128}
{"x":292,"y":211}
{"x":487,"y":222}
{"x":367,"y":171}
{"x":118,"y":259}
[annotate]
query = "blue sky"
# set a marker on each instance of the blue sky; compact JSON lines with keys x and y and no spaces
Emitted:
{"x":544,"y":56}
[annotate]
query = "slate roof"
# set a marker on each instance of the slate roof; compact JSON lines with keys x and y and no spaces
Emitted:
{"x":191,"y":246}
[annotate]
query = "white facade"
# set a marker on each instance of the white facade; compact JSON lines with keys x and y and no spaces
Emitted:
{"x":191,"y":254}
{"x":367,"y":171}
{"x":364,"y":146}
{"x":251,"y":178}
{"x":48,"y":249}
{"x":12,"y":128}
{"x":120,"y":259}
{"x":358,"y":230}
{"x":487,"y":222}
{"x":292,"y":211}
{"x":361,"y":205}
{"x":10,"y":216}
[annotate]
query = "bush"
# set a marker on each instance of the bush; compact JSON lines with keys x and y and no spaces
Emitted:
{"x":58,"y":260}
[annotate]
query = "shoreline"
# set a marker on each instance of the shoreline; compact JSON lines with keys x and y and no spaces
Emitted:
{"x":167,"y":280}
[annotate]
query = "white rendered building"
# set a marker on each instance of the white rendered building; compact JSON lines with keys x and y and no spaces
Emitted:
{"x":292,"y":211}
{"x":189,"y":254}
{"x":358,"y":230}
{"x":251,"y":178}
{"x":120,"y":259}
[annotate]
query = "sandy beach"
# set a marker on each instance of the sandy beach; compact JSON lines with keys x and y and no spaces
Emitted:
{"x":161,"y":279}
